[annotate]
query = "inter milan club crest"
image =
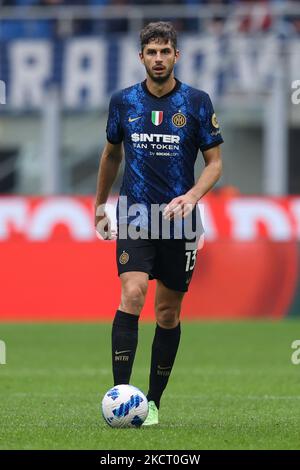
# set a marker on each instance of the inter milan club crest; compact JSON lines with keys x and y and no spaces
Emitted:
{"x":124,"y":257}
{"x":157,"y":117}
{"x":179,"y":120}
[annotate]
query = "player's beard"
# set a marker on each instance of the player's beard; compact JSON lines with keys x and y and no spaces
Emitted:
{"x":162,"y":78}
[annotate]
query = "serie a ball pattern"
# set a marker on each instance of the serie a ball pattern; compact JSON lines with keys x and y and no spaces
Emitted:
{"x":124,"y":406}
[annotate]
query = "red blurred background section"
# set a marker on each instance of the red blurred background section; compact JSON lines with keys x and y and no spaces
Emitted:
{"x":53,"y":268}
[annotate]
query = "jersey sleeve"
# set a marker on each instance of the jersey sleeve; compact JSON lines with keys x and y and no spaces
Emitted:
{"x":209,"y":134}
{"x":114,"y":131}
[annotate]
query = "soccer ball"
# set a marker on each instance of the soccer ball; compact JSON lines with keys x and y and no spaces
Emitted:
{"x":124,"y":406}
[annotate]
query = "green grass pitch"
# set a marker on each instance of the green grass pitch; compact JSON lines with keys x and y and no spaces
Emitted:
{"x":233,"y":387}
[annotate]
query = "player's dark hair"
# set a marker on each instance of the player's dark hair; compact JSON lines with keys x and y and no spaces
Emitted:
{"x":159,"y":30}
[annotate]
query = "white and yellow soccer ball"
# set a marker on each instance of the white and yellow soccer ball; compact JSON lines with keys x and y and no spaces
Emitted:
{"x":124,"y":406}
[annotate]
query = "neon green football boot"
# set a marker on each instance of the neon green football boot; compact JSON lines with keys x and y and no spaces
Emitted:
{"x":152,"y":417}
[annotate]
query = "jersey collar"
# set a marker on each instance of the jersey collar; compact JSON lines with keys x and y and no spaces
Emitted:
{"x":176,"y":87}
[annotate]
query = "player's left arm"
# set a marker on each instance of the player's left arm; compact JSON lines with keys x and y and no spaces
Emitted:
{"x":210,"y":175}
{"x":184,"y":204}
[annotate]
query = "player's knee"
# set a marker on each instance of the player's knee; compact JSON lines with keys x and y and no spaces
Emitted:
{"x":167,"y":316}
{"x":133,"y":297}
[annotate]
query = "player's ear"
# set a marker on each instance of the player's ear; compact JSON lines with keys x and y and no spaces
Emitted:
{"x":141,"y":56}
{"x":176,"y":55}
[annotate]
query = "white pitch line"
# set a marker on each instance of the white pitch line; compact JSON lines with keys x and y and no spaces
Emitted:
{"x":230,"y":397}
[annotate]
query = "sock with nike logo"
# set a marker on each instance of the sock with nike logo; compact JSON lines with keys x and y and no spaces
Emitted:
{"x":164,"y":348}
{"x":124,"y":343}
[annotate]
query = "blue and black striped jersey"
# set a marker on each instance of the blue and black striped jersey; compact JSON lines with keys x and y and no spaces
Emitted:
{"x":161,"y":137}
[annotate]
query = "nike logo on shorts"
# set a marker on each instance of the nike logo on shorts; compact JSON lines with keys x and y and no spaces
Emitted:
{"x":122,"y":352}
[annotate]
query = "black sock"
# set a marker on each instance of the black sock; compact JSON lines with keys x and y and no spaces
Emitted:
{"x":164,"y":349}
{"x":124,"y":343}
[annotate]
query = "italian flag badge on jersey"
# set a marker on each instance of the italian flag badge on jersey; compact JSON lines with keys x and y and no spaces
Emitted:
{"x":157,"y":117}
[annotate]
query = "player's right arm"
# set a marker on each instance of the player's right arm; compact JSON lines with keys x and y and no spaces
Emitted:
{"x":108,"y":169}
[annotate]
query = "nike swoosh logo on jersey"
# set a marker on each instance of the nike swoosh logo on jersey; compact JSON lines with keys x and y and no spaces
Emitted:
{"x":164,"y":368}
{"x":122,"y":352}
{"x":134,"y":119}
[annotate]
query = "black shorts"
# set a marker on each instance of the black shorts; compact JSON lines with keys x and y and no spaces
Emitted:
{"x":170,"y":261}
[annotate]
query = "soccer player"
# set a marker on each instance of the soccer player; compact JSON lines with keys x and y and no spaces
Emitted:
{"x":161,"y":123}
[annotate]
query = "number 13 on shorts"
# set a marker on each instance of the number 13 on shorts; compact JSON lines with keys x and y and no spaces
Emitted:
{"x":190,"y":260}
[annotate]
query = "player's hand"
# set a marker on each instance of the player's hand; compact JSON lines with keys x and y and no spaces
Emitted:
{"x":103,"y":225}
{"x":180,"y":207}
